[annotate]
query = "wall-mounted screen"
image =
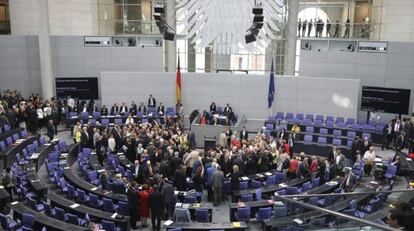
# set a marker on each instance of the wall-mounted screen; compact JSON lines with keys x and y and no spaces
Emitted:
{"x":391,"y":100}
{"x":79,"y":88}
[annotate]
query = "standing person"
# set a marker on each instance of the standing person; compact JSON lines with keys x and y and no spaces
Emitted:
{"x":299,"y":26}
{"x":198,"y":179}
{"x":310,"y":24}
{"x":235,"y":179}
{"x":328,"y":28}
{"x":50,"y":130}
{"x":144,"y":207}
{"x":304,"y":24}
{"x":347,"y":28}
{"x":151,"y":101}
{"x":399,"y":144}
{"x":336,"y":33}
{"x":349,"y":182}
{"x":168,"y":194}
{"x":133,"y":204}
{"x":156,"y":203}
{"x":70,"y":104}
{"x":369,"y":158}
{"x":55,"y":117}
{"x":217,"y":185}
{"x":8,"y":182}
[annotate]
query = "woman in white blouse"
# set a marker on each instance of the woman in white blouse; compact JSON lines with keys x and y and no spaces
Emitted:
{"x":129,"y":121}
{"x":369,"y":158}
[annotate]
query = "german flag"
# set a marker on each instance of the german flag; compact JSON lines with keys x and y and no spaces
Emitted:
{"x":178,"y":83}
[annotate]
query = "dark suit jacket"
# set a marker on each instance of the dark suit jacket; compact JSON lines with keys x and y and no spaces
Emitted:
{"x":133,"y":201}
{"x":156,"y":203}
{"x":160,"y":109}
{"x":399,"y":143}
{"x":138,"y":177}
{"x":118,"y":187}
{"x":168,"y":192}
{"x":142,"y":109}
{"x":125,"y":108}
{"x":213,"y":108}
{"x":235,"y":181}
{"x":243,"y":135}
{"x":104,"y":111}
{"x":85,"y":140}
{"x":152,"y":102}
{"x":114,"y":110}
{"x":133,"y":109}
{"x":180,"y":181}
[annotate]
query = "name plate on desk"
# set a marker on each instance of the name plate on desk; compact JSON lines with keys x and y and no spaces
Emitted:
{"x":167,"y":223}
{"x":34,"y":156}
{"x":74,"y":205}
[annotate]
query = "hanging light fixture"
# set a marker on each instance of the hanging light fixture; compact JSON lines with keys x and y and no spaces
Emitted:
{"x":223,"y":23}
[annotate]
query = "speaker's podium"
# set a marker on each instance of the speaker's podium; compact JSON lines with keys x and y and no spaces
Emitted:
{"x":209,"y":143}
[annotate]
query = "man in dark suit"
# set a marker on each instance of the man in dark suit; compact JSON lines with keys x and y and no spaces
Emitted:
{"x":116,"y":132}
{"x":243,"y":134}
{"x":133,"y":204}
{"x":104,"y":111}
{"x":117,"y":185}
{"x":133,"y":109}
{"x":227,"y":109}
{"x":399,"y":143}
{"x":85,"y":138}
{"x":142,"y":108}
{"x":152,"y":102}
{"x":349,"y":182}
{"x":168,"y":194}
{"x":123,"y":109}
{"x":114,"y":109}
{"x":160,"y":110}
{"x":156,"y":204}
{"x":213,"y":108}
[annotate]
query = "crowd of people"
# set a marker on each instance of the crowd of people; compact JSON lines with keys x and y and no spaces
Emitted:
{"x":164,"y":157}
{"x":307,"y":27}
{"x":33,"y":113}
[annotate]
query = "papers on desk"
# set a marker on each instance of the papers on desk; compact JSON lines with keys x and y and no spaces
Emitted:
{"x":185,"y":206}
{"x":19,"y":141}
{"x":241,"y":204}
{"x":196,"y":205}
{"x":93,"y":153}
{"x":283,"y":185}
{"x":409,"y":159}
{"x":176,"y":192}
{"x":268,"y":173}
{"x":100,"y":170}
{"x":378,"y":160}
{"x":111,"y":124}
{"x":34,"y":181}
{"x":55,"y":140}
{"x":67,"y":167}
{"x":259,"y":175}
{"x":236,"y":224}
{"x":245,"y":178}
{"x":64,"y":155}
{"x":128,"y":165}
{"x":114,"y":215}
{"x":332,"y":183}
{"x":298,"y":221}
{"x":373,"y":182}
{"x":34,"y":156}
{"x":168,"y":222}
{"x":94,"y":188}
{"x":271,"y":202}
{"x":48,"y":144}
{"x":1,"y":187}
{"x":279,"y":203}
{"x":120,"y":154}
{"x":178,"y":205}
{"x":74,"y":205}
{"x":14,"y":203}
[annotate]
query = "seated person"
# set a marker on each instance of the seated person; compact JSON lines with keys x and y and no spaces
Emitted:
{"x":227,"y":109}
{"x":142,"y":108}
{"x":160,"y":110}
{"x":114,"y":109}
{"x":213,"y":108}
{"x":123,"y":109}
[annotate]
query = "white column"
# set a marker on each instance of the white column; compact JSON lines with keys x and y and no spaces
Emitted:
{"x":170,"y":46}
{"x":290,"y":48}
{"x":45,"y":50}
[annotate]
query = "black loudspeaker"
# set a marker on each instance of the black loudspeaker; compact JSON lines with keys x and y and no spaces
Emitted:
{"x":157,"y":17}
{"x":258,"y":18}
{"x":257,"y":10}
{"x":159,"y":9}
{"x":250,"y":38}
{"x":169,"y":36}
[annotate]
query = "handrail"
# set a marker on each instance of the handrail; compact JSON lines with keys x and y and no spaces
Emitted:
{"x":345,"y":194}
{"x":348,"y":217}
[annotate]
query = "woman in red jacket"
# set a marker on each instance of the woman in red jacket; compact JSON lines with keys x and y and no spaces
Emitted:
{"x":144,"y":206}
